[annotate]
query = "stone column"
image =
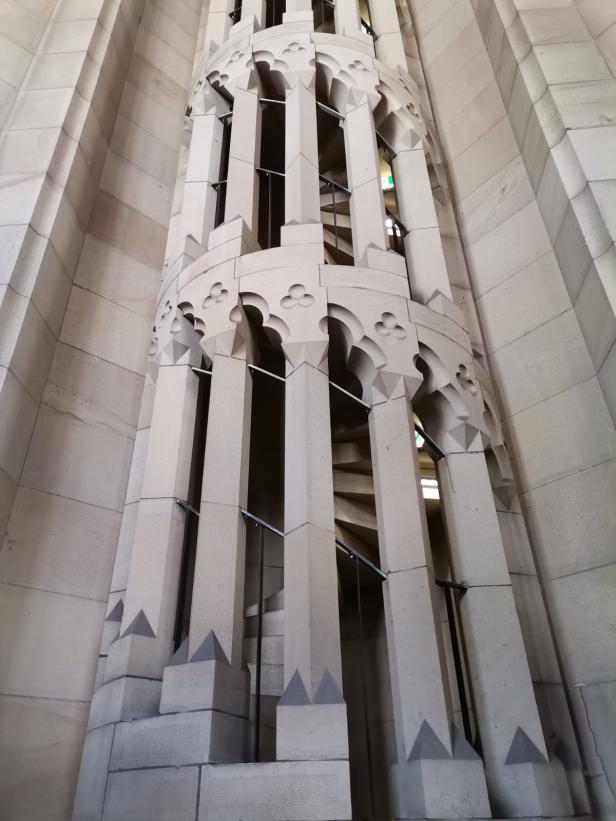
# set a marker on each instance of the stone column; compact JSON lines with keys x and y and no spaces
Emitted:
{"x":199,"y":204}
{"x":427,"y":758}
{"x":244,"y":153}
{"x":144,"y":644}
{"x":364,"y":174}
{"x":218,"y":24}
{"x":218,"y":589}
{"x":311,"y":715}
{"x":521,"y":781}
{"x":424,"y":249}
{"x":388,"y":45}
{"x":254,"y":9}
{"x":346,"y":15}
{"x":298,"y":5}
{"x":206,"y":672}
{"x":302,"y":200}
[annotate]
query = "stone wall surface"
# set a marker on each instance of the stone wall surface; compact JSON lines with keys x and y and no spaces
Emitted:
{"x":523,"y":94}
{"x":93,"y":98}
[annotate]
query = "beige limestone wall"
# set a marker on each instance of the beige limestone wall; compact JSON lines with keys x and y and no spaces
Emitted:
{"x":88,"y":159}
{"x":539,"y":264}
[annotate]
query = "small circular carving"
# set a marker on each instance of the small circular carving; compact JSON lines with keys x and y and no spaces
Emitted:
{"x":389,"y":326}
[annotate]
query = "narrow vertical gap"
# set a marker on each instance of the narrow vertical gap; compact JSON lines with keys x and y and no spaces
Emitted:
{"x":189,"y":548}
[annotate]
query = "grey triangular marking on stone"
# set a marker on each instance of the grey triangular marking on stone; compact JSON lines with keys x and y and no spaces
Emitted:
{"x":140,"y":626}
{"x":428,"y":746}
{"x":117,"y":612}
{"x":328,"y":691}
{"x":210,"y":650}
{"x":181,"y":654}
{"x":523,"y":751}
{"x":462,"y":750}
{"x":295,"y":694}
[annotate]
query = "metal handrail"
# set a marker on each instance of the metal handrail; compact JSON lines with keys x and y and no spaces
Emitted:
{"x":233,"y":14}
{"x":431,"y":443}
{"x":365,"y":25}
{"x":269,"y":171}
{"x":201,"y":371}
{"x":355,"y":554}
{"x":331,"y":111}
{"x":261,"y":522}
{"x":335,"y":185}
{"x":267,"y":373}
{"x":352,"y":396}
{"x":187,"y":507}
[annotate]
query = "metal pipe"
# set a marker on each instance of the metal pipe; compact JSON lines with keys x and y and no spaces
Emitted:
{"x":187,"y":507}
{"x":262,"y":522}
{"x":351,"y":396}
{"x":201,"y":371}
{"x":355,"y":554}
{"x":438,"y":452}
{"x":267,"y":373}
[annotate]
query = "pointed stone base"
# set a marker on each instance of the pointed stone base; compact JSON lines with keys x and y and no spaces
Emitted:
{"x":293,"y":790}
{"x":205,"y":685}
{"x":431,"y":788}
{"x":530,"y":789}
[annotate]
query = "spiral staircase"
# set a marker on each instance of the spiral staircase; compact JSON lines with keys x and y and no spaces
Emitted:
{"x":356,"y":525}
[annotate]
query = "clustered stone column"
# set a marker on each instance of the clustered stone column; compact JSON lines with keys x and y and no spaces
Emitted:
{"x":521,"y":780}
{"x":144,"y":643}
{"x":437,"y":774}
{"x":346,"y":15}
{"x":245,"y":150}
{"x":311,"y":715}
{"x":364,"y":174}
{"x":388,"y":43}
{"x":426,"y":262}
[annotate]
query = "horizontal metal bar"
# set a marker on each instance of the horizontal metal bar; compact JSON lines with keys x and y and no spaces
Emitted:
{"x":328,"y":110}
{"x":267,"y":373}
{"x":431,"y":443}
{"x":262,"y":523}
{"x":351,"y":396}
{"x":451,"y":585}
{"x":188,"y":508}
{"x":335,"y":185}
{"x":269,"y":100}
{"x":224,"y":117}
{"x":201,"y":371}
{"x":269,"y":171}
{"x":216,"y":185}
{"x":357,"y":555}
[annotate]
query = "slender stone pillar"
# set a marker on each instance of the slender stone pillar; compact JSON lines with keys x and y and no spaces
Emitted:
{"x":388,"y":45}
{"x":364,"y":174}
{"x":298,"y":5}
{"x":206,"y":674}
{"x":218,"y":589}
{"x":521,"y":781}
{"x":254,"y":9}
{"x":426,"y":757}
{"x":311,"y":715}
{"x":302,"y":201}
{"x":346,"y":16}
{"x":218,"y":24}
{"x":244,"y":153}
{"x":146,"y":632}
{"x":199,"y":205}
{"x":424,"y":249}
